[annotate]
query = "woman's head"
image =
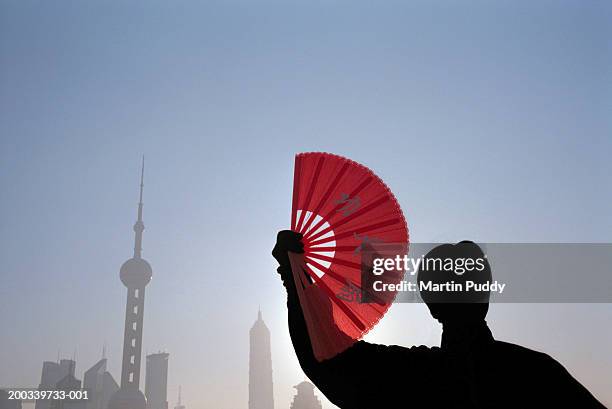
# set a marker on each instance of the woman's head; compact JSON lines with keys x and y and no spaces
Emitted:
{"x":451,"y":278}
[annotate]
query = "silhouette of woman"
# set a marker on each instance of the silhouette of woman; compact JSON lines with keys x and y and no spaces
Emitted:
{"x":469,"y":370}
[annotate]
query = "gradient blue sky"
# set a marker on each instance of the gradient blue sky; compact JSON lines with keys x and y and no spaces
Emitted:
{"x":489,"y":121}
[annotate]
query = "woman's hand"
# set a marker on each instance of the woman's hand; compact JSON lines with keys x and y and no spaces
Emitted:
{"x":286,"y":241}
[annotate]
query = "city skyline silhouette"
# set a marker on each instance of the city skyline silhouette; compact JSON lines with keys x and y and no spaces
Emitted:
{"x":105,"y":393}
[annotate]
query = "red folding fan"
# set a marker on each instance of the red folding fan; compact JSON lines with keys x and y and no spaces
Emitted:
{"x":342,"y":210}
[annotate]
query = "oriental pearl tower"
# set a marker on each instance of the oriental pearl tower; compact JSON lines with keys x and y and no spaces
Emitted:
{"x":135,"y":274}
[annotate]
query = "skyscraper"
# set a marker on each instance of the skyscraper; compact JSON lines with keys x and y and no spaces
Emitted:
{"x":305,"y":397}
{"x":100,"y":385}
{"x":135,"y":275}
{"x":52,"y":373}
{"x":261,"y":395}
{"x":156,"y":381}
{"x":68,"y":383}
{"x":67,"y":367}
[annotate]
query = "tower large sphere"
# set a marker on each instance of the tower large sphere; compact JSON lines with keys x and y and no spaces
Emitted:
{"x":136,"y":272}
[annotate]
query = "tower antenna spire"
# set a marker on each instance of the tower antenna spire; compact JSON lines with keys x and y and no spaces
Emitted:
{"x":139,"y":226}
{"x":141,"y":186}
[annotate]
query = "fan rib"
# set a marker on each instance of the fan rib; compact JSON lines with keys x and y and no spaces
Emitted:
{"x":333,"y":211}
{"x":336,"y":301}
{"x":324,"y":198}
{"x":296,"y":189}
{"x":336,"y":260}
{"x":345,"y":281}
{"x":313,"y":182}
{"x":347,"y":219}
{"x":328,"y":249}
{"x":327,"y":270}
{"x":362,"y":230}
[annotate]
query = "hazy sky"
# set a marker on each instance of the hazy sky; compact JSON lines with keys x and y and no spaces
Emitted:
{"x":489,"y":120}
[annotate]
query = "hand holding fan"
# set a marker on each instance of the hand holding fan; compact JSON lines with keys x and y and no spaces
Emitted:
{"x":340,"y":207}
